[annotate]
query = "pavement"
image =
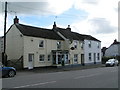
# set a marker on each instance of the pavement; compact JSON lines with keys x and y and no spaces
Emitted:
{"x":59,"y":69}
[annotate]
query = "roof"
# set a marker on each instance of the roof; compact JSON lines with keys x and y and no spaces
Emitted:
{"x":51,"y":33}
{"x":67,"y":33}
{"x":115,"y":42}
{"x":38,"y":32}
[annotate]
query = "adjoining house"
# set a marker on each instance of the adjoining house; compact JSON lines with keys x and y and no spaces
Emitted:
{"x":113,"y":49}
{"x":39,"y":47}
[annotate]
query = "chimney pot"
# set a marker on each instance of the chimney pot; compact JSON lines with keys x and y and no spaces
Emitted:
{"x":54,"y":26}
{"x":16,"y":20}
{"x":69,"y":27}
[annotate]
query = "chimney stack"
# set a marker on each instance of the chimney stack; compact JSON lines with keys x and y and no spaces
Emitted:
{"x":68,"y":28}
{"x":16,"y":20}
{"x":54,"y":26}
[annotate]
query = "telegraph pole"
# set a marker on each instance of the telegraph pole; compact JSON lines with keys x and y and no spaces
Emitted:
{"x":4,"y":57}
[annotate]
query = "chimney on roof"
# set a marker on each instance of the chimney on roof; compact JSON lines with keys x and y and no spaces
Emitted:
{"x":68,"y":28}
{"x":54,"y":26}
{"x":115,"y":41}
{"x":16,"y":20}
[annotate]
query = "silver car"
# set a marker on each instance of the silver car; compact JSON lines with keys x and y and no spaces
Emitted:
{"x":112,"y":62}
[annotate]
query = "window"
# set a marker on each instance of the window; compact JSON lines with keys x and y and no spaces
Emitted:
{"x":89,"y":44}
{"x":41,"y":57}
{"x":82,"y":45}
{"x":98,"y":45}
{"x":58,"y":45}
{"x":75,"y":44}
{"x":48,"y":57}
{"x":41,"y":43}
{"x":75,"y":57}
{"x":98,"y":56}
{"x":89,"y":56}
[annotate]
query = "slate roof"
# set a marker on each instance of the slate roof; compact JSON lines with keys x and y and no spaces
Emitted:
{"x":75,"y":36}
{"x":51,"y":33}
{"x":38,"y":32}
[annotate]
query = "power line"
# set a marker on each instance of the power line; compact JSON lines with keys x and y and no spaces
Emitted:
{"x":67,"y":15}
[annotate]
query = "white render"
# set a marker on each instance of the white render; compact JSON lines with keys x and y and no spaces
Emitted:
{"x":14,"y":43}
{"x":94,"y":49}
{"x":18,"y":45}
{"x":112,"y":50}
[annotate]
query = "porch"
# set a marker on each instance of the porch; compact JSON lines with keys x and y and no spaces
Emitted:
{"x":59,"y":57}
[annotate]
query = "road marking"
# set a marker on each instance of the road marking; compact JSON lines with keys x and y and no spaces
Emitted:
{"x":86,"y":76}
{"x":35,"y":84}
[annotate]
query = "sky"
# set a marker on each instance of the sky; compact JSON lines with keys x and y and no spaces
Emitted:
{"x":98,"y":18}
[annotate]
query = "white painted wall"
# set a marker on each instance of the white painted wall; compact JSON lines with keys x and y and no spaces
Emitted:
{"x":14,"y":43}
{"x":32,"y":47}
{"x":94,"y":49}
{"x":77,"y":51}
{"x":112,"y":50}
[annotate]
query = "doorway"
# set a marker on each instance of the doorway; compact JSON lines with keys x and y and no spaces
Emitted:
{"x":30,"y":61}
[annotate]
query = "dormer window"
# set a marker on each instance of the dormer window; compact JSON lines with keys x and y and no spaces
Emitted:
{"x":58,"y":45}
{"x":41,"y":44}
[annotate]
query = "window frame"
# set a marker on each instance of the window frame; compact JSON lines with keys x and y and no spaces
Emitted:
{"x":76,"y":58}
{"x":41,"y":57}
{"x":75,"y":44}
{"x":41,"y":44}
{"x":59,"y":44}
{"x":49,"y":57}
{"x":98,"y":56}
{"x":89,"y":44}
{"x":90,"y":56}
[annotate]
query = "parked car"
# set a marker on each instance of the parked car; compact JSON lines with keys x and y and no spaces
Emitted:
{"x":112,"y":62}
{"x":7,"y":71}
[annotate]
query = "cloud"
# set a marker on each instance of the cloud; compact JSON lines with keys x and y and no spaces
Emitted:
{"x":102,"y":16}
{"x":102,"y":26}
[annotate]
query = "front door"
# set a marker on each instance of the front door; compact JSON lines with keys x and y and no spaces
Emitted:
{"x":94,"y":58}
{"x":82,"y":59}
{"x":30,"y":61}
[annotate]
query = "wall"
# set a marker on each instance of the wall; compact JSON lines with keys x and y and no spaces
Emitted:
{"x":94,"y":49}
{"x":32,"y":47}
{"x":112,"y":50}
{"x":78,"y":51}
{"x":14,"y":43}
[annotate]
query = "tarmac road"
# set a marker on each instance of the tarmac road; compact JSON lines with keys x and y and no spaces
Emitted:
{"x":103,"y":77}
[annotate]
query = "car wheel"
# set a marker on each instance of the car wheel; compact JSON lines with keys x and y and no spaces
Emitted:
{"x":11,"y":73}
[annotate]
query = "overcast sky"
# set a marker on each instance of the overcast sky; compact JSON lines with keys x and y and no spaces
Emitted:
{"x":98,"y":18}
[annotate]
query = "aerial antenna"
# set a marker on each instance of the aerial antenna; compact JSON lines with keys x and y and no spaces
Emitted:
{"x":56,"y":18}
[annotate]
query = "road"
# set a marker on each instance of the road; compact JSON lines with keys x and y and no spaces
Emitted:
{"x":103,"y":77}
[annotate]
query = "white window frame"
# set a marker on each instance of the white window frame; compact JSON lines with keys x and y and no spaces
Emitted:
{"x":41,"y":57}
{"x":41,"y":43}
{"x":98,"y":56}
{"x":75,"y":44}
{"x":49,"y":57}
{"x":76,"y":58}
{"x":82,"y":45}
{"x":89,"y":44}
{"x":58,"y":44}
{"x":98,"y":46}
{"x":90,"y":56}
